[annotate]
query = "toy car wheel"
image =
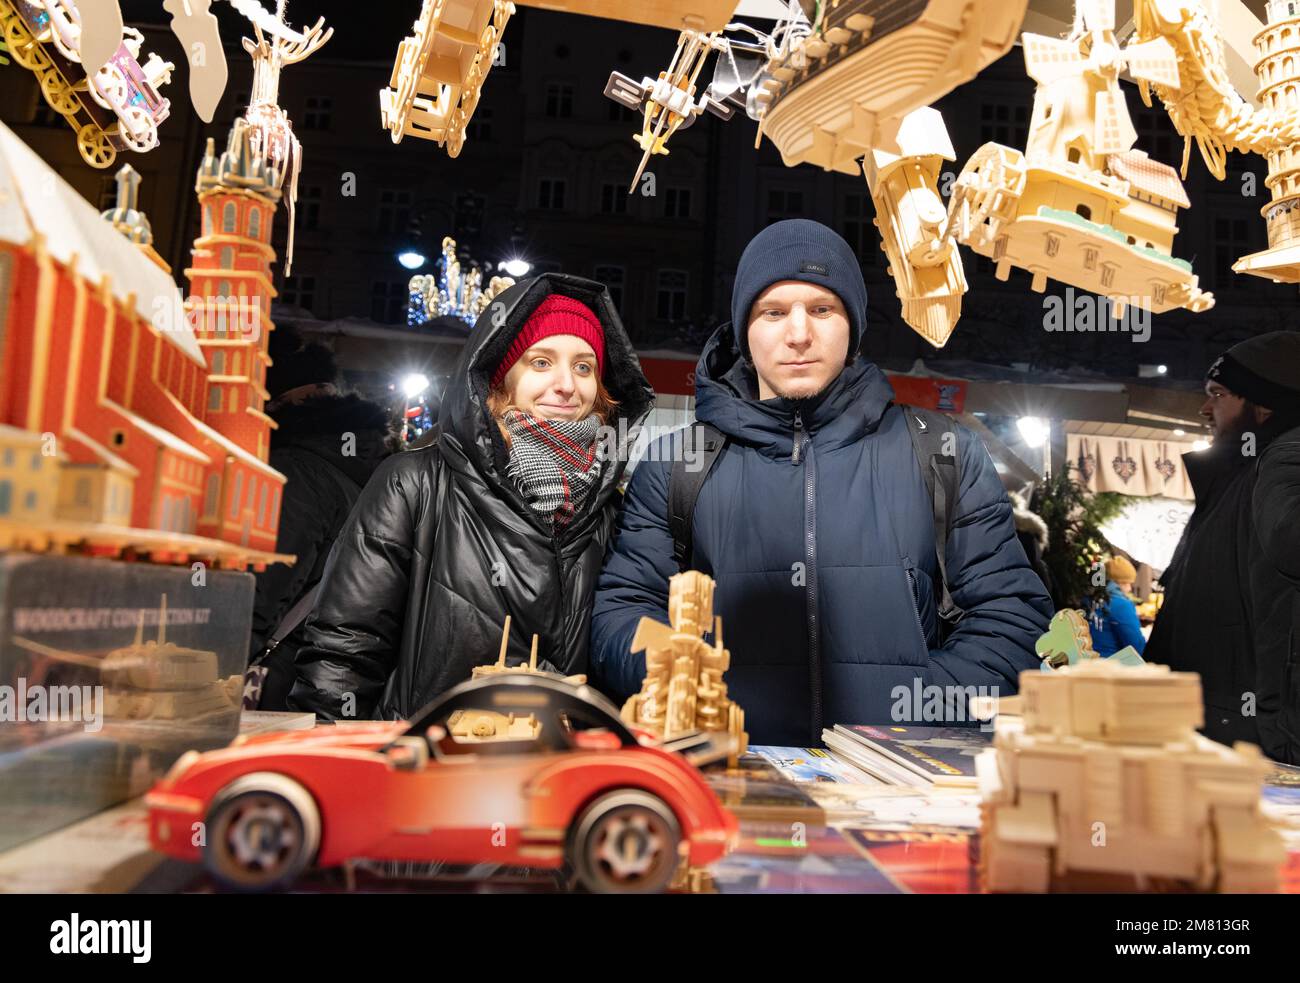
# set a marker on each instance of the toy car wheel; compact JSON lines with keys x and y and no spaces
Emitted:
{"x":137,"y":130}
{"x":96,"y":150}
{"x":109,"y":88}
{"x":22,"y":46}
{"x":625,"y":843}
{"x":58,"y":93}
{"x":69,"y":45}
{"x":262,"y":833}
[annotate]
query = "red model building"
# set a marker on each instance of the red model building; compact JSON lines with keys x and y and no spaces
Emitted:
{"x":131,"y":421}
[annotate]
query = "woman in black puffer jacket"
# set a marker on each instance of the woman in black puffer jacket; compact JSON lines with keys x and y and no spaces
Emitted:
{"x":508,"y":513}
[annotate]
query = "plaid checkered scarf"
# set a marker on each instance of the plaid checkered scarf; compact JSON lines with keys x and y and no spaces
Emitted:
{"x":553,"y":462}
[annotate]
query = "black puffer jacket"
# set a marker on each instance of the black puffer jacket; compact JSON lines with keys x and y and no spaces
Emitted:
{"x":1233,"y":590}
{"x":442,"y":545}
{"x":327,"y":447}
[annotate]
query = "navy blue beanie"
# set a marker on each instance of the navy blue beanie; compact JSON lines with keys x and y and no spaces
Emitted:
{"x":798,"y":249}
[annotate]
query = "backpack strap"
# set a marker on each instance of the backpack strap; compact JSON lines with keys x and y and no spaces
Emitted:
{"x":942,"y":480}
{"x":705,"y":445}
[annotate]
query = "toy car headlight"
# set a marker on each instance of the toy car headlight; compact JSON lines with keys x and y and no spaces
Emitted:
{"x":182,"y":763}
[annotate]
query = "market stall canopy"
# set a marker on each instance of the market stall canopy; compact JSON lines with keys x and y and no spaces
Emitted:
{"x":35,"y":203}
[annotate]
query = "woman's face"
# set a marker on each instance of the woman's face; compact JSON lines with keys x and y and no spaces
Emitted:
{"x":556,"y":379}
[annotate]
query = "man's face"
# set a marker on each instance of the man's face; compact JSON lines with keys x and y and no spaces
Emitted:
{"x":798,"y":339}
{"x":1227,"y":413}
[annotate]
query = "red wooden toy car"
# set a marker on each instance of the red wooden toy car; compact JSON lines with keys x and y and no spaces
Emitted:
{"x":517,"y":769}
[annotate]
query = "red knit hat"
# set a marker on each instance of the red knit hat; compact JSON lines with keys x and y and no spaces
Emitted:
{"x":556,"y":314}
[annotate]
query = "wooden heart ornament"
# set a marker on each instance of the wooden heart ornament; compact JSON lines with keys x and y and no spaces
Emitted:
{"x":1123,"y":464}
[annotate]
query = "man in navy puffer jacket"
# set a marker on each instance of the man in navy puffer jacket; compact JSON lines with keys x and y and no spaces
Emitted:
{"x":817,"y":525}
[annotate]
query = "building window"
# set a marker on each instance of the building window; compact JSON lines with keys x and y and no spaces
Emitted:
{"x":29,"y":501}
{"x":612,"y":277}
{"x":261,"y":508}
{"x":1007,"y":125}
{"x":618,"y":113}
{"x":227,"y":258}
{"x":670,"y":296}
{"x":255,"y":223}
{"x":613,"y":199}
{"x":42,"y":114}
{"x":550,"y":193}
{"x":210,"y":497}
{"x":394,"y":210}
{"x":308,"y":213}
{"x":36,"y":462}
{"x":299,"y":290}
{"x":856,"y":214}
{"x":214,"y":399}
{"x":479,"y":128}
{"x":238,"y":104}
{"x":388,"y":300}
{"x":783,"y":203}
{"x":1156,"y":135}
{"x":219,"y":362}
{"x":234,"y":499}
{"x":1232,"y":240}
{"x":107,"y":193}
{"x":677,"y":203}
{"x":319,"y":112}
{"x":559,"y":100}
{"x":207,"y":220}
{"x":228,"y":217}
{"x":6,"y":493}
{"x":81,"y":492}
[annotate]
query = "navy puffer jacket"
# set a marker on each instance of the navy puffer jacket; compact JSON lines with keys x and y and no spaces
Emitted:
{"x":824,"y":561}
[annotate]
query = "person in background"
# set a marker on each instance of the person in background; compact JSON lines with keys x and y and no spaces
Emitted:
{"x":1233,"y":585}
{"x":326,"y":444}
{"x":1114,"y":622}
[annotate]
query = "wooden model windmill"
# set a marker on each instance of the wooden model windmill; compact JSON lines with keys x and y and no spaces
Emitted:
{"x":683,"y":689}
{"x":1079,"y":104}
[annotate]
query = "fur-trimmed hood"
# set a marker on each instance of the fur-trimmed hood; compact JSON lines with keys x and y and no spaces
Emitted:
{"x":1027,"y":521}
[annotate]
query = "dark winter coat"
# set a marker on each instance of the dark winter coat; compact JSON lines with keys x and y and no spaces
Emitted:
{"x":442,"y":545}
{"x":326,"y":447}
{"x":1232,"y":593}
{"x":824,"y":561}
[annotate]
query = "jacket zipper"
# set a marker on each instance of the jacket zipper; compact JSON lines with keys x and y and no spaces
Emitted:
{"x":802,"y":441}
{"x":916,"y":604}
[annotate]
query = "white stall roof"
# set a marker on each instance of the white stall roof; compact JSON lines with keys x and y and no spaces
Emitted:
{"x":34,"y":198}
